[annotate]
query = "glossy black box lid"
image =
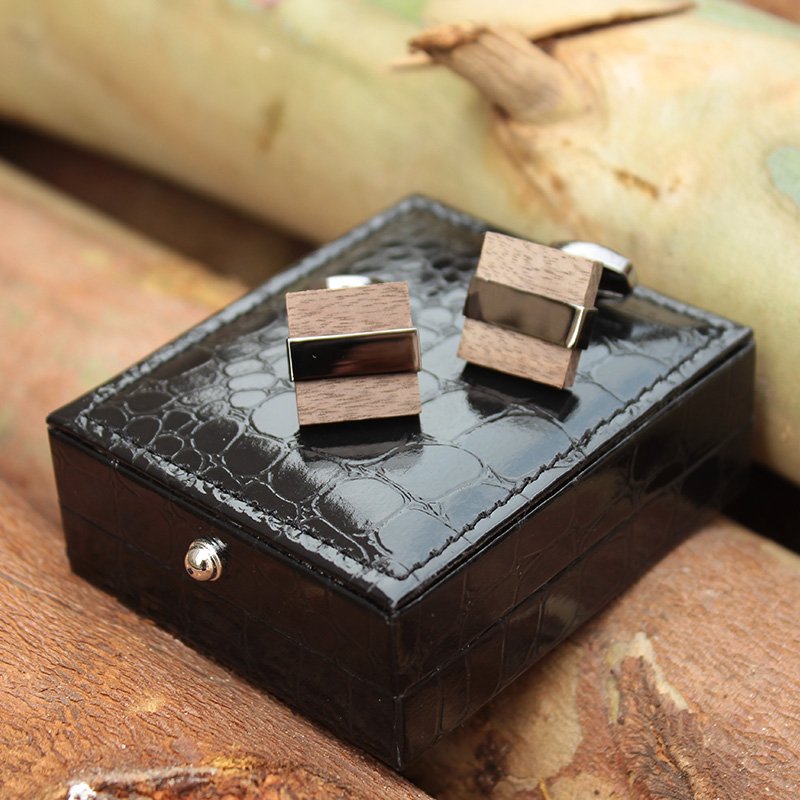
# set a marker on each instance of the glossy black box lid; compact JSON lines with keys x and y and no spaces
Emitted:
{"x":385,"y":509}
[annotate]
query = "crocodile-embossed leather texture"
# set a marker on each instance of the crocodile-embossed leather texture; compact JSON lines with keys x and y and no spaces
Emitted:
{"x":413,"y":567}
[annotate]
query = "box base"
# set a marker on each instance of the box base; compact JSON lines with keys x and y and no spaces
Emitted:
{"x":398,"y":728}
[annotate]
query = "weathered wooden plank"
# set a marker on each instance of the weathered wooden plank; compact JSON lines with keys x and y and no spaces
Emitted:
{"x":89,"y":691}
{"x":82,"y":299}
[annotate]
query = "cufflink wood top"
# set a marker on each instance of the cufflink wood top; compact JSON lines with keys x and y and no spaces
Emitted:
{"x":353,"y":353}
{"x":527,"y":310}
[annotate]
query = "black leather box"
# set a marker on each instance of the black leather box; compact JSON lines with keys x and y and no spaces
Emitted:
{"x":389,"y":578}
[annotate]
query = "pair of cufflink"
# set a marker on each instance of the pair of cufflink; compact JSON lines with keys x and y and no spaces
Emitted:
{"x":354,"y":352}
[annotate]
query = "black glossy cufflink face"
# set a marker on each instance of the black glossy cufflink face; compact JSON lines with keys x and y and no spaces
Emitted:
{"x":529,"y":307}
{"x":353,"y":352}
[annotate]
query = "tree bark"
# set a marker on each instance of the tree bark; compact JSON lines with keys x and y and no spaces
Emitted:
{"x":781,"y":8}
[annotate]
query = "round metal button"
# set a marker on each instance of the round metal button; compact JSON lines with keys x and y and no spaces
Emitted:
{"x":203,"y":560}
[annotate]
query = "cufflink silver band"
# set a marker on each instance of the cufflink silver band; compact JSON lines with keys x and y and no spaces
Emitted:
{"x":349,"y":354}
{"x":554,"y":321}
{"x":353,"y":351}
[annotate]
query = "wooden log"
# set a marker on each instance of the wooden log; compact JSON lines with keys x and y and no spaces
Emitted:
{"x":223,"y":239}
{"x":90,"y":692}
{"x":82,"y":299}
{"x":638,"y":134}
{"x":688,"y":686}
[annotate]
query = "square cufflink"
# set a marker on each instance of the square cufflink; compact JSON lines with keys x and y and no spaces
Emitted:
{"x":529,"y":307}
{"x":353,"y":353}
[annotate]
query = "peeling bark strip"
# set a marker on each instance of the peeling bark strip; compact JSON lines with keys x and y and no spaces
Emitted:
{"x":513,"y":72}
{"x":537,"y":21}
{"x":532,"y":25}
{"x":661,"y":744}
{"x":515,"y":75}
{"x":241,"y":779}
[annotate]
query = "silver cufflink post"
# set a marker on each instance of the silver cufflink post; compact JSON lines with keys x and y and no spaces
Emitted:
{"x":347,"y":281}
{"x":619,"y":275}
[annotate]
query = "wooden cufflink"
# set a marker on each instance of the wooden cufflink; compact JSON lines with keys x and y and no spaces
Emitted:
{"x":353,"y":353}
{"x":529,"y":307}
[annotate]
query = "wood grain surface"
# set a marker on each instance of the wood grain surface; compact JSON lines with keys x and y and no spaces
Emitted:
{"x":321,"y":312}
{"x":90,"y":692}
{"x":82,"y":299}
{"x":539,"y":270}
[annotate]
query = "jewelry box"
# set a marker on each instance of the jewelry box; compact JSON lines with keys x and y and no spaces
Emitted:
{"x":388,"y":578}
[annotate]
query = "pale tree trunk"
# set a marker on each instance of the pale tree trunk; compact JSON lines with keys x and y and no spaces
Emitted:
{"x":670,"y":134}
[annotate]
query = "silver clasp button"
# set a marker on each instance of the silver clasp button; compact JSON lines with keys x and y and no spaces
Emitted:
{"x":203,"y":560}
